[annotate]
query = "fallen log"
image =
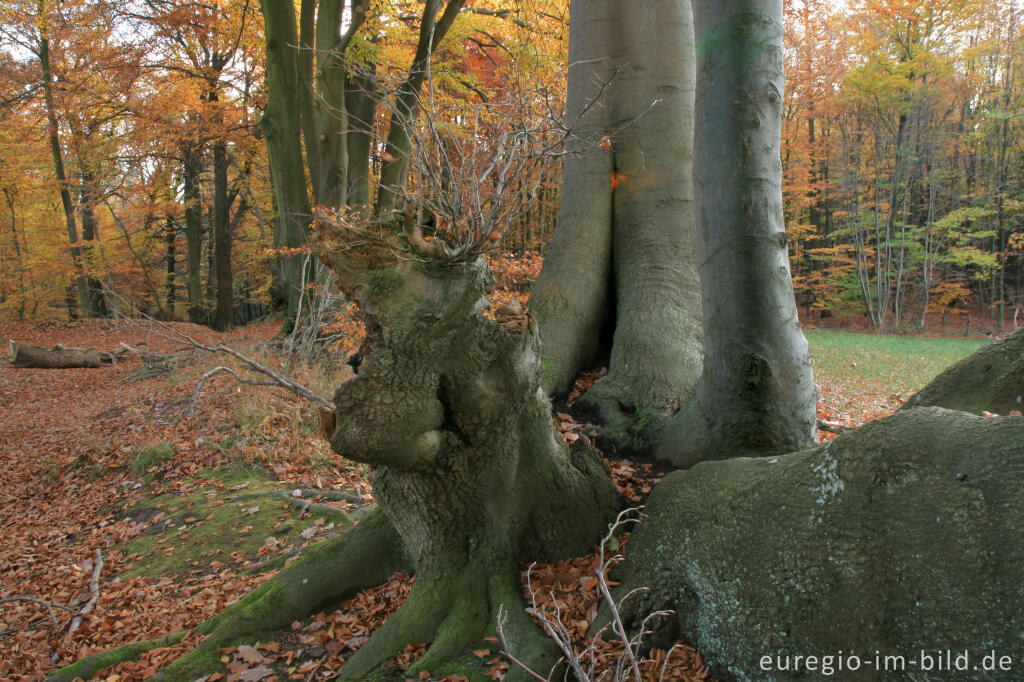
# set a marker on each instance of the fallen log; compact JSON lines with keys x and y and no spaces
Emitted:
{"x":60,"y":357}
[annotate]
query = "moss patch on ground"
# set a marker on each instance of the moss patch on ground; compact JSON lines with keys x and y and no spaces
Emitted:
{"x":220,"y":519}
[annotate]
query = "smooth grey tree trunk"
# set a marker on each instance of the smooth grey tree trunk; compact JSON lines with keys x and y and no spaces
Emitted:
{"x":756,"y":393}
{"x":572,"y":297}
{"x":622,"y":257}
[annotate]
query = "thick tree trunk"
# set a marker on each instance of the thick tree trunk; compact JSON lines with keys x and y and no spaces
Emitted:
{"x":989,"y":380}
{"x":756,"y":393}
{"x":623,"y":257}
{"x":573,"y":299}
{"x":447,"y":406}
{"x":281,"y":125}
{"x":59,"y":357}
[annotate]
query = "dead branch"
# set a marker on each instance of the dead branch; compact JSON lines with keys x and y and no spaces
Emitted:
{"x":835,"y":427}
{"x":302,"y":504}
{"x":94,"y":589}
{"x":502,"y":616}
{"x":276,"y":379}
{"x":50,"y":606}
{"x":148,"y":354}
{"x":217,"y":370}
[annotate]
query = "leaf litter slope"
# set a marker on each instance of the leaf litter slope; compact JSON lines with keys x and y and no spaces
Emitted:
{"x":77,"y":454}
{"x":73,"y":479}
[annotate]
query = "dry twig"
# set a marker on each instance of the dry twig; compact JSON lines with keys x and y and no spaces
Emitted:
{"x":94,"y":589}
{"x":50,"y":606}
{"x":167,"y":332}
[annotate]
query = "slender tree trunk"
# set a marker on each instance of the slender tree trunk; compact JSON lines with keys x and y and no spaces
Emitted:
{"x":191,"y":169}
{"x":90,"y":238}
{"x":360,"y":103}
{"x":929,"y":263}
{"x":17,"y":254}
{"x":210,"y":298}
{"x":222,"y":238}
{"x":81,"y":280}
{"x":756,"y":393}
{"x":622,"y":260}
{"x":170,"y":235}
{"x":406,"y":105}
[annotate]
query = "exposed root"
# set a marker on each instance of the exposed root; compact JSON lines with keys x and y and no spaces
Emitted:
{"x":625,"y":431}
{"x":89,"y":666}
{"x":334,"y":570}
{"x":454,"y":613}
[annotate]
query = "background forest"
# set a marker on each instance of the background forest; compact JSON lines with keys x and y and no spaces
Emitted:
{"x":132,"y":156}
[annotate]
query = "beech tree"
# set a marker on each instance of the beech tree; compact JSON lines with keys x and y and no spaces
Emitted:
{"x":448,"y":404}
{"x":756,"y":393}
{"x":316,"y":101}
{"x":620,"y":279}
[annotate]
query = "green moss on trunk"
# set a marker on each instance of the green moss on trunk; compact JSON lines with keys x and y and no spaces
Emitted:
{"x":448,"y":405}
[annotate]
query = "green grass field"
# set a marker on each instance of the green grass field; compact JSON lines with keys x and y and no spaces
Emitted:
{"x":865,"y":375}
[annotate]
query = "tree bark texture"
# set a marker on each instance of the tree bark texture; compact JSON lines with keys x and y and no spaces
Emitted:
{"x":756,"y":393}
{"x":447,"y":405}
{"x":622,"y":258}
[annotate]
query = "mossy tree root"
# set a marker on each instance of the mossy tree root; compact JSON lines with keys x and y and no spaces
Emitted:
{"x":626,"y":428}
{"x":90,"y":665}
{"x":333,"y":570}
{"x":454,"y":613}
{"x":448,"y":407}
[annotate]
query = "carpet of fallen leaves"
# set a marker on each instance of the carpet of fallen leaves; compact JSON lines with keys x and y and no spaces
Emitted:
{"x":68,"y":440}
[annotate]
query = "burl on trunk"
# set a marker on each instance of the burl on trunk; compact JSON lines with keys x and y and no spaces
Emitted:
{"x":448,"y":408}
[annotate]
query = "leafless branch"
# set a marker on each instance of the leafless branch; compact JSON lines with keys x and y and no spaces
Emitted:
{"x":49,"y":606}
{"x":94,"y":589}
{"x":835,"y":427}
{"x":165,"y":331}
{"x":551,"y":621}
{"x":502,"y":617}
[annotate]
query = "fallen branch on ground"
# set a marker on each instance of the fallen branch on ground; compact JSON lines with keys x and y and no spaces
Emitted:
{"x":303,"y":505}
{"x":835,"y":427}
{"x":50,"y":606}
{"x":94,"y":589}
{"x":584,"y":664}
{"x":275,"y":379}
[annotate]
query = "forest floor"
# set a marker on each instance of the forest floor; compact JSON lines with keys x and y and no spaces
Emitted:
{"x":177,"y":500}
